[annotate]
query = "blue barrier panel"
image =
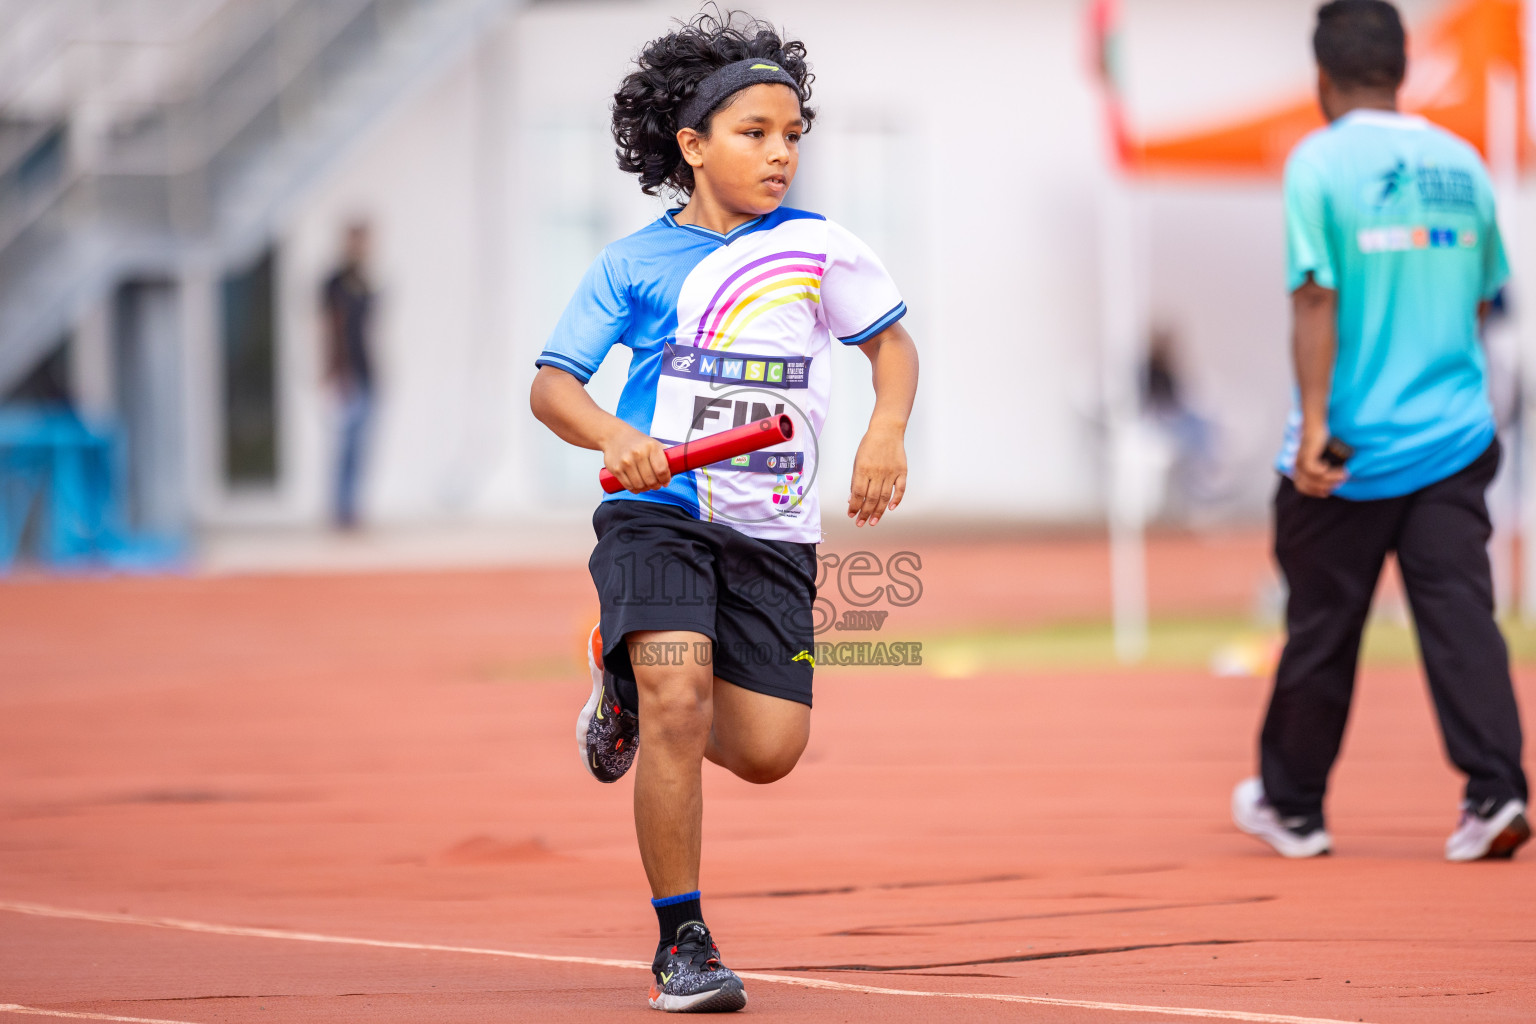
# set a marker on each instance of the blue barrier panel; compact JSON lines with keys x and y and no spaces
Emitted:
{"x":62,"y":496}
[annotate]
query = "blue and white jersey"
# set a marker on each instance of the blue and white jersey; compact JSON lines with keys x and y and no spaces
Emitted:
{"x":727,"y":329}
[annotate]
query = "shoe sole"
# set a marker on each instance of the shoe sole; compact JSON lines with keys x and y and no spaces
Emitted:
{"x":1282,"y":846}
{"x":1511,"y":835}
{"x":584,"y":720}
{"x":729,"y":998}
{"x":1286,"y":846}
{"x":1515,"y":835}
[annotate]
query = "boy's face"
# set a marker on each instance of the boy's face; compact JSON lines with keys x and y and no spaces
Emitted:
{"x":749,"y":159}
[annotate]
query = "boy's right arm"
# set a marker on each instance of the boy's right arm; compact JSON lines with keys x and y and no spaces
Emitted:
{"x":561,"y":403}
{"x":1313,"y":280}
{"x":1314,"y":350}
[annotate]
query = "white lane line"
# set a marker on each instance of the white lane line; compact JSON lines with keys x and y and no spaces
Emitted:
{"x":178,"y":924}
{"x":1078,"y":1004}
{"x":38,"y":1011}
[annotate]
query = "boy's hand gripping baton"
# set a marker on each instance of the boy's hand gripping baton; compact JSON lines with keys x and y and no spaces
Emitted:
{"x":706,"y":451}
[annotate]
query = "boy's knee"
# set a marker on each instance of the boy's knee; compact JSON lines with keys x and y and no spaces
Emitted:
{"x":674,"y":707}
{"x":762,"y":769}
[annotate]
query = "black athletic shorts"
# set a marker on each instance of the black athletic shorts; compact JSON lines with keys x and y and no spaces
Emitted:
{"x":658,"y":567}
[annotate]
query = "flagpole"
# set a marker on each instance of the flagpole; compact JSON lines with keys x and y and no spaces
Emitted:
{"x":1123,"y":271}
{"x":1122,"y":284}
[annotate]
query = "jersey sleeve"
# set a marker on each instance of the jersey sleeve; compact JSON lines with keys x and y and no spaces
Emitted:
{"x":1495,"y":262}
{"x":593,"y":321}
{"x":1306,"y":228}
{"x":858,"y":297}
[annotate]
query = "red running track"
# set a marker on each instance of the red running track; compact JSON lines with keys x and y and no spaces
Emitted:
{"x":268,"y":761}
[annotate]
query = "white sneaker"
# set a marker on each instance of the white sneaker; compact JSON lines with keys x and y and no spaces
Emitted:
{"x":1252,"y":814}
{"x":1491,"y":831}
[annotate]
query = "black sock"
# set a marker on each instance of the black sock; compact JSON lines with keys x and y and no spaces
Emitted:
{"x":675,"y":911}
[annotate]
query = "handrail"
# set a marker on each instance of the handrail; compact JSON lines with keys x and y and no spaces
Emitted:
{"x":211,"y":31}
{"x":46,"y":273}
{"x":212,"y":138}
{"x":228,"y":126}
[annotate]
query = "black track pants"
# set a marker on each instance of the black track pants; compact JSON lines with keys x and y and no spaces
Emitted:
{"x":1331,"y":552}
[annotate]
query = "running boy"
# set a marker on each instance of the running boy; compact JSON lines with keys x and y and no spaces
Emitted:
{"x":706,"y":580}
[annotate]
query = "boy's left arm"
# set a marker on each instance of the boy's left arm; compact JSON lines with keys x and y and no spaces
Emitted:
{"x":880,"y":468}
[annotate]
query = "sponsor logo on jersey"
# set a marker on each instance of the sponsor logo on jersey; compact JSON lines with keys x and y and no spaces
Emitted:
{"x":701,"y":364}
{"x":707,"y":409}
{"x":1405,"y":238}
{"x":1389,"y":186}
{"x":789,"y":491}
{"x":1444,"y":187}
{"x":785,"y":467}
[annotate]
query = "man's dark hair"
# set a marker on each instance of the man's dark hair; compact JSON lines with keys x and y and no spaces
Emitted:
{"x":1361,"y":44}
{"x":646,"y":107}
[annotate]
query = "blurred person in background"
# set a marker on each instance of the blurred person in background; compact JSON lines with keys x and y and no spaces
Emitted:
{"x":348,"y":301}
{"x":1394,"y":252}
{"x":1191,"y":488}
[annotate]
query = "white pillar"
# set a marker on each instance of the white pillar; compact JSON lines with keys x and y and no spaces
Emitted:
{"x":1123,"y":282}
{"x":1503,"y":134}
{"x":201,"y":387}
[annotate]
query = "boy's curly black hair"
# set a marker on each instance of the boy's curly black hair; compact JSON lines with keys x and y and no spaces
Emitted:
{"x":646,"y":107}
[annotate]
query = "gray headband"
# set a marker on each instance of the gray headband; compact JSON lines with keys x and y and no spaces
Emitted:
{"x":725,"y":82}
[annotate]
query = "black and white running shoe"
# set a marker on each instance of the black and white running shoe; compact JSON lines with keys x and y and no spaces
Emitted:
{"x":606,"y":733}
{"x":1493,"y":830}
{"x":689,"y":977}
{"x":1289,"y":837}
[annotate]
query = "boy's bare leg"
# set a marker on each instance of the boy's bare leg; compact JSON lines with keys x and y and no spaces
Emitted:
{"x":757,"y":737}
{"x":676,"y":709}
{"x":687,"y":714}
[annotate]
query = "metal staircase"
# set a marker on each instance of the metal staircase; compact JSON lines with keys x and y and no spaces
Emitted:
{"x":138,"y":135}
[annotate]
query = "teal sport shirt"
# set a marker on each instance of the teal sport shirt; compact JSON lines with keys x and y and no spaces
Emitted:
{"x":1397,"y":217}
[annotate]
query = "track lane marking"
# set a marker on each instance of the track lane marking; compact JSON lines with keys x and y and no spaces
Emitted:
{"x":240,"y":931}
{"x":38,"y":1011}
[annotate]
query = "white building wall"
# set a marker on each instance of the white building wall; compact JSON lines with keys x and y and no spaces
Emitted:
{"x":416,"y":181}
{"x":965,"y":143}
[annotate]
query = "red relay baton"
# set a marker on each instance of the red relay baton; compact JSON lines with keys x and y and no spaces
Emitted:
{"x":706,"y":451}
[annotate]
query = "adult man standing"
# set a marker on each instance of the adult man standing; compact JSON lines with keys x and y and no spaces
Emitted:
{"x":348,"y":304}
{"x":1393,"y":248}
